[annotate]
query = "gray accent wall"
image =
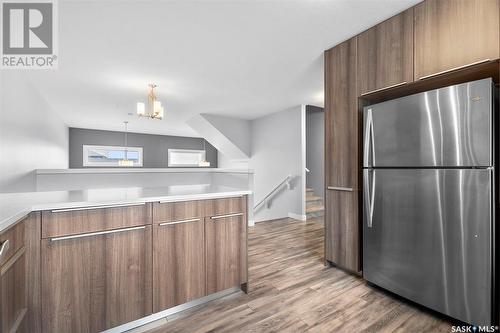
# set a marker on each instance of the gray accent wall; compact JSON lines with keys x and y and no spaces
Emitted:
{"x":315,"y":149}
{"x":155,"y":147}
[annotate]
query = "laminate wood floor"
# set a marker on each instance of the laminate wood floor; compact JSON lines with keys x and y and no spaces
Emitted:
{"x":292,"y":291}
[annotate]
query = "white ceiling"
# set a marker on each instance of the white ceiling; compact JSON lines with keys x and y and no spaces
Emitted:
{"x":243,"y":58}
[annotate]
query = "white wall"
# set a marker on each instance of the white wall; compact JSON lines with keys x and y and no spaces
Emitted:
{"x":236,"y":130}
{"x":223,"y":161}
{"x":32,"y":135}
{"x":278,"y":150}
{"x":222,"y":141}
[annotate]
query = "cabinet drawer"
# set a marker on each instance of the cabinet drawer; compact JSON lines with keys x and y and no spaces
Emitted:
{"x":215,"y":207}
{"x":15,"y":237}
{"x":67,"y":222}
{"x":177,"y":211}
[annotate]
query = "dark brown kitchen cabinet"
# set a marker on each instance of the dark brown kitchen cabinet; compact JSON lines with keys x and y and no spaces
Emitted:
{"x":13,"y":294}
{"x":341,"y":116}
{"x":385,"y":54}
{"x":342,"y":155}
{"x":13,"y":279}
{"x":225,"y":246}
{"x":92,"y":282}
{"x":454,"y":33}
{"x":64,"y":222}
{"x":89,"y":269}
{"x":223,"y":206}
{"x":178,"y":262}
{"x":177,"y":211}
{"x":342,"y":229}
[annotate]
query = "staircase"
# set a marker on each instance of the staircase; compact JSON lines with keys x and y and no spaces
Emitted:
{"x":314,"y":205}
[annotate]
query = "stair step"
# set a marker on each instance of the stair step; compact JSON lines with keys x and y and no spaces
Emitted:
{"x":315,"y":208}
{"x":317,"y":211}
{"x":310,"y":194}
{"x":313,"y":198}
{"x":314,"y":215}
{"x":314,"y":205}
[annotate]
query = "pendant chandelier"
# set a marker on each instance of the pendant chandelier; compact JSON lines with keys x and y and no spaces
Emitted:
{"x":153,"y":108}
{"x":125,"y":162}
{"x":204,"y":163}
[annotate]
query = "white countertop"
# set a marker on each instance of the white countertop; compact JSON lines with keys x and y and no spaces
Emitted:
{"x":15,"y":206}
{"x":141,"y":170}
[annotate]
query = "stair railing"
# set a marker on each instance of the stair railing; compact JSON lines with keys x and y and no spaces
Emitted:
{"x":270,"y":195}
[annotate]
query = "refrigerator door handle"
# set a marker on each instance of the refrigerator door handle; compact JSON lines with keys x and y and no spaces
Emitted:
{"x":369,"y":196}
{"x":369,"y":147}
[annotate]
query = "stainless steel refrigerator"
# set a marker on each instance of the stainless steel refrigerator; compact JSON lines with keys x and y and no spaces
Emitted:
{"x":429,"y":206}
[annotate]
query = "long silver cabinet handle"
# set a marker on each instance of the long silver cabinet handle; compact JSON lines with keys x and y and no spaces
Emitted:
{"x":96,"y":207}
{"x":369,"y":195}
{"x":223,"y":197}
{"x":385,"y":88}
{"x":178,"y":222}
{"x":55,"y":239}
{"x":369,"y":146}
{"x":454,"y":69}
{"x":340,"y":188}
{"x":223,"y":216}
{"x":4,"y":248}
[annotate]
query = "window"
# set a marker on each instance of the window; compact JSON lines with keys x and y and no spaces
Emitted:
{"x":185,"y":157}
{"x":111,"y":155}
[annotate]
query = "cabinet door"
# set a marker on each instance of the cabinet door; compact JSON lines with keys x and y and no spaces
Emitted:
{"x":455,"y":33}
{"x":342,"y":156}
{"x":342,"y":229}
{"x":67,"y":222}
{"x":92,"y":283}
{"x":341,"y":116}
{"x":224,"y":252}
{"x":12,"y":240}
{"x":13,"y":293}
{"x":178,"y":263}
{"x":385,"y":54}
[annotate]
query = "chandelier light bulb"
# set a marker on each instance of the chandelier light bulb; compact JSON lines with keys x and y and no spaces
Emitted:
{"x":141,"y":109}
{"x":156,"y":107}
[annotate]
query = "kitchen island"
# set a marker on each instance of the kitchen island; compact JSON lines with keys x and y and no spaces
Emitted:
{"x":113,"y":259}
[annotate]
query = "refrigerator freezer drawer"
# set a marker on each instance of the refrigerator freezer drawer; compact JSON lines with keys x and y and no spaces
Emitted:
{"x":427,"y":236}
{"x":447,"y":127}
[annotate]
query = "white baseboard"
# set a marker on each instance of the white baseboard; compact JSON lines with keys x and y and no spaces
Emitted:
{"x":297,"y":216}
{"x":290,"y":215}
